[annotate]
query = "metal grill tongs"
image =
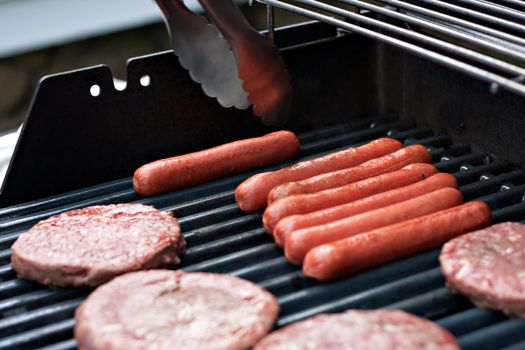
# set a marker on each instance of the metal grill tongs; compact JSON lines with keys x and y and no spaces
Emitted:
{"x":231,"y":61}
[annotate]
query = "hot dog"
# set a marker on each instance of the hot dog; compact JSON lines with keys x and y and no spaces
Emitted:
{"x":300,"y":242}
{"x":306,"y":203}
{"x":198,"y":167}
{"x":252,"y":194}
{"x":344,"y":257}
{"x":391,"y":162}
{"x":296,"y":222}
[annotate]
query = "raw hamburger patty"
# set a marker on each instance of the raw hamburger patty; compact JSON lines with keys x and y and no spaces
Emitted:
{"x":90,"y":246}
{"x":488,"y":266}
{"x":361,"y":330}
{"x":161,"y":309}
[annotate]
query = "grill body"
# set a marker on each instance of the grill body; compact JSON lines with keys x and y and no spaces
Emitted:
{"x":345,"y":89}
{"x":223,"y":239}
{"x":334,"y":78}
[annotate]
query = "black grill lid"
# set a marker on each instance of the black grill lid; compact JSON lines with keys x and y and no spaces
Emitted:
{"x":223,"y":239}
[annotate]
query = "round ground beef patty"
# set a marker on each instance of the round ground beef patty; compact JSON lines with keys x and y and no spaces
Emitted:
{"x":361,"y":330}
{"x":90,"y":246}
{"x":162,"y":309}
{"x":488,"y":266}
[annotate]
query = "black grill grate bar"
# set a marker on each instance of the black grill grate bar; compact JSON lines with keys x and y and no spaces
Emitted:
{"x":5,"y":256}
{"x":6,"y":273}
{"x":40,"y":336}
{"x":434,"y":140}
{"x":436,"y":303}
{"x":314,"y":291}
{"x":511,"y":213}
{"x":342,"y":140}
{"x":8,"y":238}
{"x":266,"y":270}
{"x":64,"y":345}
{"x":38,"y":317}
{"x":517,"y":346}
{"x":194,"y":206}
{"x":223,"y":229}
{"x":16,"y":287}
{"x":347,"y":127}
{"x":67,"y":198}
{"x":226,"y":245}
{"x":493,"y":183}
{"x":451,"y":164}
{"x":30,"y":301}
{"x":322,"y":295}
{"x":216,"y":215}
{"x":418,"y":133}
{"x":318,"y":292}
{"x":373,"y":298}
{"x":122,"y":196}
{"x":506,"y":196}
{"x":223,"y":263}
{"x":293,"y":282}
{"x":494,"y":336}
{"x":469,"y":174}
{"x":470,"y":320}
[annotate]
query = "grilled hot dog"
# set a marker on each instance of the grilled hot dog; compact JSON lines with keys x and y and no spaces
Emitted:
{"x":306,"y":203}
{"x":391,"y":162}
{"x":300,"y":242}
{"x":344,"y":257}
{"x":252,"y":194}
{"x":380,"y":200}
{"x":232,"y":158}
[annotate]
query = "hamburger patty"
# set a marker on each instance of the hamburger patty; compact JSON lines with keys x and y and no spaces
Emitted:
{"x":488,"y":266}
{"x":162,"y":309}
{"x":91,"y":246}
{"x":361,"y":330}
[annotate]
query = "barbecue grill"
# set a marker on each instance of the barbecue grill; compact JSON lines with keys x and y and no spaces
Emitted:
{"x":465,"y":106}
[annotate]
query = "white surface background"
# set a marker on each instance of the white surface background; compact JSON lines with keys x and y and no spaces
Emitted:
{"x":27,"y":25}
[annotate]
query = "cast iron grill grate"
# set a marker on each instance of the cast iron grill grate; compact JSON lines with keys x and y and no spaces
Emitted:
{"x":223,"y":239}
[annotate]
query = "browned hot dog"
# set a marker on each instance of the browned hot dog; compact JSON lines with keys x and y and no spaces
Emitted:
{"x":300,"y":242}
{"x":232,"y":158}
{"x":252,"y":194}
{"x":392,"y":162}
{"x":344,"y":257}
{"x":380,"y":200}
{"x":306,"y":203}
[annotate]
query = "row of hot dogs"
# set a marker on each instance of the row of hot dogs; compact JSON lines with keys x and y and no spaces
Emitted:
{"x":380,"y":199}
{"x":364,"y":206}
{"x":360,"y":207}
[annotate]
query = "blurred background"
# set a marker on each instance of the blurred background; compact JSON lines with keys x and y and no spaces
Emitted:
{"x":40,"y":37}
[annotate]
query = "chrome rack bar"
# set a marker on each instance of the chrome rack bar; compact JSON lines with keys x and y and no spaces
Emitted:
{"x":454,"y":20}
{"x":426,"y":24}
{"x":518,"y":3}
{"x":477,"y":15}
{"x":479,"y":73}
{"x":496,"y":9}
{"x":270,"y":22}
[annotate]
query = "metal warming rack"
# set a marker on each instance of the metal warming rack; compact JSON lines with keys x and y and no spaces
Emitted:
{"x":483,"y":39}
